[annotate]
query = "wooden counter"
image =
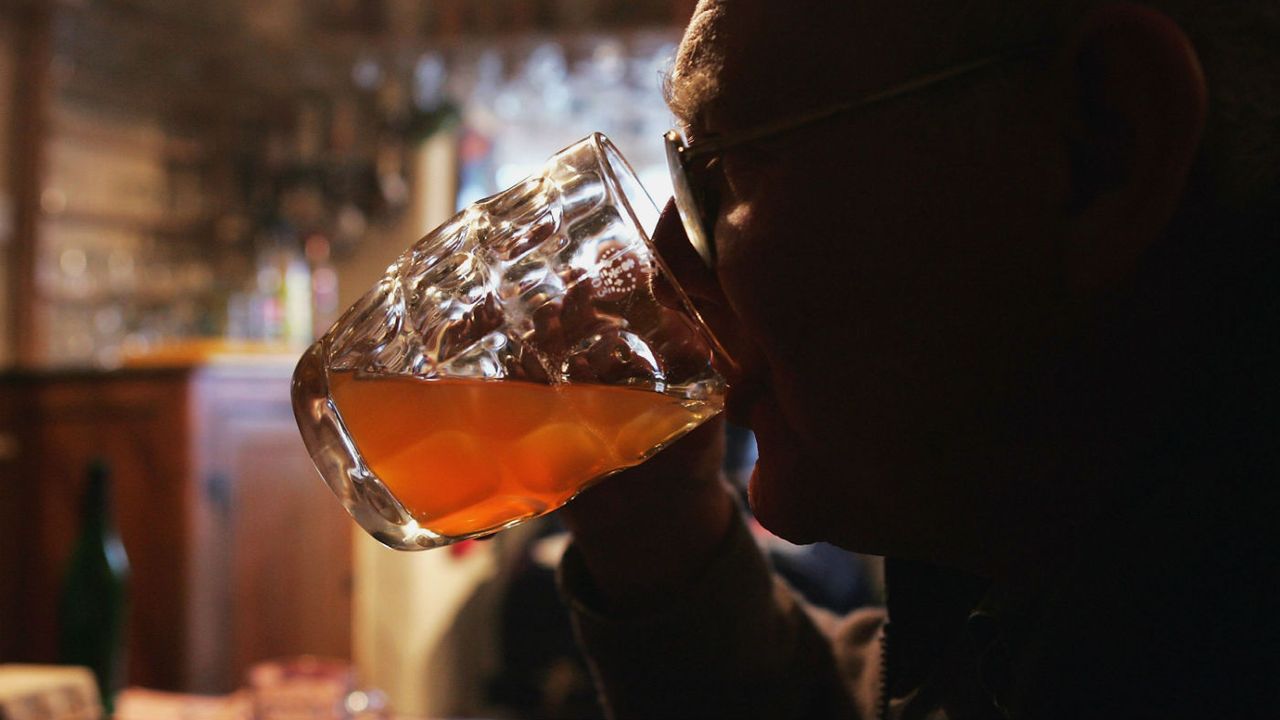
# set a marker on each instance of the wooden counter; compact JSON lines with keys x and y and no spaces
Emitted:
{"x":238,"y":550}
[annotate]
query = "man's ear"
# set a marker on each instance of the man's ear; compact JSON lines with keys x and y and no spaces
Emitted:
{"x":1137,"y":104}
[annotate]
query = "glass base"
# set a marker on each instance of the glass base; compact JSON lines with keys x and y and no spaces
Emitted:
{"x":339,"y":463}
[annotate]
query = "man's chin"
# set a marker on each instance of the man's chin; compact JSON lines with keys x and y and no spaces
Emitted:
{"x":776,"y":506}
{"x":780,"y":483}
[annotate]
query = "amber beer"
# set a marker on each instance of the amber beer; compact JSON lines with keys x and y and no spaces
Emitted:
{"x":467,"y":456}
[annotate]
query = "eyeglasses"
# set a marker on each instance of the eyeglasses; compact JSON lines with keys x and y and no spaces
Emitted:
{"x":693,"y":165}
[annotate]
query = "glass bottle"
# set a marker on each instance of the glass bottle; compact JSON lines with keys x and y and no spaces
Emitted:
{"x":93,"y":603}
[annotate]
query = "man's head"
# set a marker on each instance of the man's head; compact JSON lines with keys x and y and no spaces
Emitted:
{"x":905,"y":277}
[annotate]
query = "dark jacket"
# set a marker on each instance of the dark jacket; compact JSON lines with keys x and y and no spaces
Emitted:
{"x":1171,"y":614}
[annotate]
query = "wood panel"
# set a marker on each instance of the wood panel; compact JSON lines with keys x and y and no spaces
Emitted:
{"x":285,"y":544}
{"x":15,"y":522}
{"x":31,"y":100}
{"x":238,"y":551}
{"x":129,"y":424}
{"x":288,"y":584}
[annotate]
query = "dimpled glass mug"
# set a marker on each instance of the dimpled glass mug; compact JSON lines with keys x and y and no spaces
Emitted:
{"x":527,"y":348}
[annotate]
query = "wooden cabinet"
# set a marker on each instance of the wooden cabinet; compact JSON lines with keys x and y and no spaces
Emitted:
{"x":238,"y":550}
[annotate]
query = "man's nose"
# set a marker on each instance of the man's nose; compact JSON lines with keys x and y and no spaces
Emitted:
{"x":693,"y":276}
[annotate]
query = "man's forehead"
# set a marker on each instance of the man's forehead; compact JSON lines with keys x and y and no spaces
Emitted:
{"x":742,"y":61}
{"x":755,"y":57}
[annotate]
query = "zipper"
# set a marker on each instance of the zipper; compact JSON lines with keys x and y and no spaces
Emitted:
{"x":884,"y":671}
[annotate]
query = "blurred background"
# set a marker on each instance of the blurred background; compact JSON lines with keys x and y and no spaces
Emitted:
{"x":175,"y":168}
{"x":190,"y":191}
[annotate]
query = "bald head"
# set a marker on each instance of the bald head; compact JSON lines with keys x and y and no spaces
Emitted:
{"x":744,"y":62}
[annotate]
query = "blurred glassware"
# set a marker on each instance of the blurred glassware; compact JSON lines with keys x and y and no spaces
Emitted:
{"x":312,"y":688}
{"x":429,"y":82}
{"x":300,"y":688}
{"x":366,"y":73}
{"x":121,"y":275}
{"x":560,"y":90}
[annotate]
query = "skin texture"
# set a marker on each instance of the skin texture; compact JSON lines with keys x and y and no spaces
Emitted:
{"x":906,"y":285}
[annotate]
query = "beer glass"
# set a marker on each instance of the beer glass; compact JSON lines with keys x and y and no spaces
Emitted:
{"x":529,"y":347}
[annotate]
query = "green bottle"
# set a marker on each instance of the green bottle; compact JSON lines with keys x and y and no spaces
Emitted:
{"x":91,"y":610}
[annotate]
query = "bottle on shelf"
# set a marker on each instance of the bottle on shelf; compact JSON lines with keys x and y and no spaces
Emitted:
{"x":94,"y":599}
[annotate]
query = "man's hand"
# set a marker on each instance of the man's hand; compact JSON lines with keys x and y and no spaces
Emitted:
{"x":650,"y":530}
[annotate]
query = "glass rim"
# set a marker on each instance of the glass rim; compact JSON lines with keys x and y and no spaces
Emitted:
{"x":612,"y":160}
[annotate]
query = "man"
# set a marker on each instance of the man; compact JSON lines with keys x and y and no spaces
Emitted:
{"x":1006,"y":315}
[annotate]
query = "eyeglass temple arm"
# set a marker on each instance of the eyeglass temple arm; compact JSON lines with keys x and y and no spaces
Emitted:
{"x":717,"y":144}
